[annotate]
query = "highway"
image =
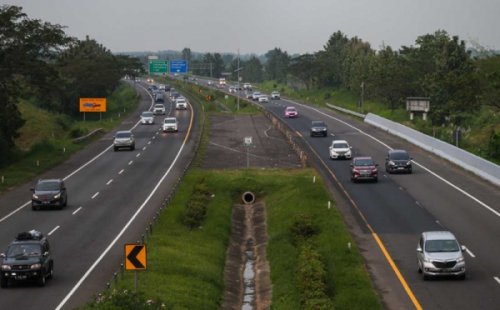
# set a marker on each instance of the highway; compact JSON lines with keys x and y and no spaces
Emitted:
{"x":436,"y":196}
{"x":112,"y":197}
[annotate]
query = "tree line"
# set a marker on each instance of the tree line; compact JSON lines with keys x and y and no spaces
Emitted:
{"x":38,"y":60}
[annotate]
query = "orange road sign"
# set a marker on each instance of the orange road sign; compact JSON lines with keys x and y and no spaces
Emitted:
{"x":135,"y":257}
{"x":92,"y":104}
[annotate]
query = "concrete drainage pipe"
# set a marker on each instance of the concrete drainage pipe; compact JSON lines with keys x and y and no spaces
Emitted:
{"x":248,"y":198}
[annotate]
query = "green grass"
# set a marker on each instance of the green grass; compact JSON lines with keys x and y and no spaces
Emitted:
{"x":46,"y":138}
{"x":185,"y":268}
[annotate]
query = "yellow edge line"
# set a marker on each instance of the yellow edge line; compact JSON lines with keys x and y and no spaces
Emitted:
{"x":380,"y":244}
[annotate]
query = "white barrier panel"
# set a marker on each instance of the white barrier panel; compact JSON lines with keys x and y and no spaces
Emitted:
{"x":477,"y":165}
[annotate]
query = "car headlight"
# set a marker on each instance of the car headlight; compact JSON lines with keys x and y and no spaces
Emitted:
{"x":57,"y":196}
{"x":408,"y":163}
{"x":348,"y":152}
{"x":391,"y":163}
{"x":35,"y":196}
{"x":6,"y":267}
{"x":460,"y":259}
{"x":36,"y":266}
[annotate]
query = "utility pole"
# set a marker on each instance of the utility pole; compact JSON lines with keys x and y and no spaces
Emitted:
{"x":238,"y":89}
{"x":362,"y":95}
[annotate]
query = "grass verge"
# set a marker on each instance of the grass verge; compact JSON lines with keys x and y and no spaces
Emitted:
{"x":185,"y":267}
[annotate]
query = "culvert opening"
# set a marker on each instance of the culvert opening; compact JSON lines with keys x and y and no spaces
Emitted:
{"x":248,"y":198}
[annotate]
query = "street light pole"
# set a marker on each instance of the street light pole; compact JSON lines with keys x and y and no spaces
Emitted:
{"x":238,"y":89}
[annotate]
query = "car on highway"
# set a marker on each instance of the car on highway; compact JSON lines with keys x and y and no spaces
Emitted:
{"x":27,"y":258}
{"x":247,"y":86}
{"x":291,"y":112}
{"x":159,"y":109}
{"x":159,"y":97}
{"x":440,"y":254}
{"x":181,"y":103}
{"x":147,"y":117}
{"x":398,"y":161}
{"x":161,"y":87}
{"x":249,"y":95}
{"x":364,"y":168}
{"x":256,"y":95}
{"x":275,"y":95}
{"x":124,"y":139}
{"x":263,"y":99}
{"x":340,"y":149}
{"x":319,"y":128}
{"x":174,"y":95}
{"x":232,"y":89}
{"x":49,"y":193}
{"x":170,"y":124}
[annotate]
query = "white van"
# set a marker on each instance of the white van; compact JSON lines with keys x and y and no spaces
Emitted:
{"x":181,"y":103}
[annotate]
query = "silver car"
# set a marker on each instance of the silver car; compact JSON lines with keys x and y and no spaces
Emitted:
{"x":440,"y":254}
{"x":124,"y":139}
{"x":147,"y":117}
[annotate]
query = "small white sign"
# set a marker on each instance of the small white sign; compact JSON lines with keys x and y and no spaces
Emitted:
{"x":248,"y":141}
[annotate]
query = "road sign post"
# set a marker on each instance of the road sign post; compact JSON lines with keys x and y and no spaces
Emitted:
{"x":248,"y":144}
{"x":135,"y":259}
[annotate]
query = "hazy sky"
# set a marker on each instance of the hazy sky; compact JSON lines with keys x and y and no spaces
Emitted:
{"x":256,"y":26}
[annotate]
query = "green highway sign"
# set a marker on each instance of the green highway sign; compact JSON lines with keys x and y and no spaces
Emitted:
{"x":158,"y":66}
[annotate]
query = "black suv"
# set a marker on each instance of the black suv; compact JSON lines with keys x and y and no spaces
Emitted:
{"x":49,"y":192}
{"x":398,"y":161}
{"x":27,"y":258}
{"x":319,"y":128}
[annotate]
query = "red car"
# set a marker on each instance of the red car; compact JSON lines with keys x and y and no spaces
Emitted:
{"x":291,"y":112}
{"x":364,"y":168}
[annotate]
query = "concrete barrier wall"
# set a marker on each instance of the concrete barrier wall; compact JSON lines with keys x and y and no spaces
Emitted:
{"x":477,"y":165}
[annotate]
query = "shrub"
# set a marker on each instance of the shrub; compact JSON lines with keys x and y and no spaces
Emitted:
{"x":125,"y":300}
{"x":303,"y":227}
{"x":196,"y":207}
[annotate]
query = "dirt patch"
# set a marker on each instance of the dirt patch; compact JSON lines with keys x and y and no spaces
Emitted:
{"x":226,"y":147}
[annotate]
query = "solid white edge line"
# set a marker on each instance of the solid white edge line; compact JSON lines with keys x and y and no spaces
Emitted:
{"x":53,"y":230}
{"x":95,"y":195}
{"x":469,"y":252}
{"x":416,"y":163}
{"x":109,"y":182}
{"x":94,"y":265}
{"x":77,"y":210}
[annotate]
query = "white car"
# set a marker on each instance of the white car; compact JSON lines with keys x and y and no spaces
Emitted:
{"x":180,"y":103}
{"x":275,"y":95}
{"x":170,"y":124}
{"x":147,"y":117}
{"x":159,"y":108}
{"x":247,"y":86}
{"x":263,"y":98}
{"x":256,"y":95}
{"x":161,"y":86}
{"x":340,"y":149}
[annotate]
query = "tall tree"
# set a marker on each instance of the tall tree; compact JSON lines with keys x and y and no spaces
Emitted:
{"x":305,"y":67}
{"x":27,"y":49}
{"x":186,"y":54}
{"x":277,"y":65}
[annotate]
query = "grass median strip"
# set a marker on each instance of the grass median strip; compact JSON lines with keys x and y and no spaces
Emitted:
{"x":185,"y":266}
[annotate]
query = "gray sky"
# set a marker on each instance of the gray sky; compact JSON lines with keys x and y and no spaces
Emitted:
{"x":256,"y":26}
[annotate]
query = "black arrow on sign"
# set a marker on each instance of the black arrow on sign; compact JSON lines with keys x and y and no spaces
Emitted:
{"x":132,"y":257}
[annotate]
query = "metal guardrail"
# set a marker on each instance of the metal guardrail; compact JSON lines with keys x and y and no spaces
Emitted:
{"x":475,"y":164}
{"x":90,"y":134}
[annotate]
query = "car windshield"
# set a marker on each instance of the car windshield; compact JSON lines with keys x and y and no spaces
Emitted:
{"x":318,"y":124}
{"x":290,"y":109}
{"x":364,"y":162}
{"x":169,"y":121}
{"x":340,"y":145}
{"x":47,"y":186}
{"x":122,"y":135}
{"x":434,"y":246}
{"x":24,"y":250}
{"x":147,"y":114}
{"x":159,"y":106}
{"x":399,"y":156}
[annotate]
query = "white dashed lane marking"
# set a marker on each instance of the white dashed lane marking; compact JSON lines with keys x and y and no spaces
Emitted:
{"x":53,"y":230}
{"x":95,"y":195}
{"x":77,"y":210}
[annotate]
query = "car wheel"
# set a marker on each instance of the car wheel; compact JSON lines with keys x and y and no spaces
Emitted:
{"x":461,"y":277}
{"x":115,"y":149}
{"x":425,"y":277}
{"x":51,"y":272}
{"x":132,"y":147}
{"x":4,"y":282}
{"x":41,"y":280}
{"x":375,"y":180}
